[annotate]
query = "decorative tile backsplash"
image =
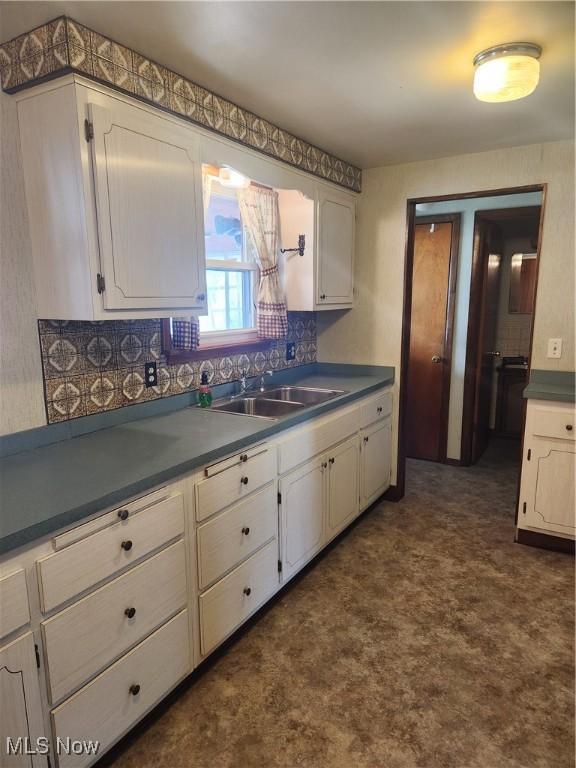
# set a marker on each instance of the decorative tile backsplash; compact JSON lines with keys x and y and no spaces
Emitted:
{"x":63,"y":45}
{"x":94,"y":367}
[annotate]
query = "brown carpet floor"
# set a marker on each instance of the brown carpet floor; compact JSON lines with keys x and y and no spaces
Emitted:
{"x":424,"y":639}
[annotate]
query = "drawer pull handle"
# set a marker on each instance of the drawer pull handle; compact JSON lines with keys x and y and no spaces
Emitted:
{"x":245,"y":530}
{"x":134,"y":689}
{"x":244,"y":457}
{"x":247,"y":591}
{"x":379,"y":409}
{"x":130,"y":612}
{"x":123,"y":514}
{"x":569,"y":427}
{"x":244,"y":480}
{"x":126,"y":545}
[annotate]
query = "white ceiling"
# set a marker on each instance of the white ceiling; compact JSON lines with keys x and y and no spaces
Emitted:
{"x":375,"y":83}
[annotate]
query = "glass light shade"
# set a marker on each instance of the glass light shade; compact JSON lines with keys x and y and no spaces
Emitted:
{"x":507,"y":78}
{"x":232,"y":179}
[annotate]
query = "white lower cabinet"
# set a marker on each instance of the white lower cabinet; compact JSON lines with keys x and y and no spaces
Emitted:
{"x":105,"y":709}
{"x":342,"y":487}
{"x":234,"y":598}
{"x":20,"y":705}
{"x":375,"y":461}
{"x":547,"y":501}
{"x":302,"y":494}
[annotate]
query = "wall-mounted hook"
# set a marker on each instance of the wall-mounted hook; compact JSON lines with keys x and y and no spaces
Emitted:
{"x":300,"y":249}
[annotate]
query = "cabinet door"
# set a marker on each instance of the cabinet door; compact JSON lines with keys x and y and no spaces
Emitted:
{"x":342,"y":486}
{"x":302,"y":513}
{"x":548,"y":487}
{"x":335,"y":256}
{"x":375,"y":452}
{"x":20,"y":704}
{"x":148,"y":185}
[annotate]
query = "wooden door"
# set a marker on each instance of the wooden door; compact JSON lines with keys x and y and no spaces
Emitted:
{"x":375,"y":461}
{"x":432,"y":309}
{"x":302,"y":514}
{"x":335,"y":255}
{"x":342,"y":486}
{"x":148,"y":186}
{"x":20,"y":708}
{"x":488,"y":244}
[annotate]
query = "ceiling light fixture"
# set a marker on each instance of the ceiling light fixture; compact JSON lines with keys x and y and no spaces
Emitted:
{"x":507,"y":72}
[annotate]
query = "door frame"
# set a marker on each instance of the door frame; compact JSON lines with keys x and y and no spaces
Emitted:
{"x":397,"y":492}
{"x":475,"y":307}
{"x":454,"y":219}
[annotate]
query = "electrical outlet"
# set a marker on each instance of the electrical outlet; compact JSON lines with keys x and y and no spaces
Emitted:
{"x":291,"y":351}
{"x":554,"y":348}
{"x":150,"y":374}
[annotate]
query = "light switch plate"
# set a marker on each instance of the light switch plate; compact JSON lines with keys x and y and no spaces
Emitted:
{"x":554,"y":348}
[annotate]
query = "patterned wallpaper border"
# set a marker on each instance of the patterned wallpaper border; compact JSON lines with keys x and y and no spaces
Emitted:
{"x":63,"y":45}
{"x":92,"y":367}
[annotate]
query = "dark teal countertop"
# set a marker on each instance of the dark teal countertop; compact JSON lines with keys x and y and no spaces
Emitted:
{"x":551,"y":385}
{"x":52,"y":486}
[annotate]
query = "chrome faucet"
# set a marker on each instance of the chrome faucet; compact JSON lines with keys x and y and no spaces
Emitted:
{"x":263,"y":377}
{"x":245,"y":387}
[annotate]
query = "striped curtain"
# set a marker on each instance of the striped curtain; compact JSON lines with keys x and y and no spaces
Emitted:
{"x":259,"y":212}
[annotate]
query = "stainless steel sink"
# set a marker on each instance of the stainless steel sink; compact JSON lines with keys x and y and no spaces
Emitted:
{"x":303,"y":395}
{"x":258,"y":406}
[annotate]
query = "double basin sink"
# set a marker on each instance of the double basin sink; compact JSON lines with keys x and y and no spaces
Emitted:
{"x":276,"y":403}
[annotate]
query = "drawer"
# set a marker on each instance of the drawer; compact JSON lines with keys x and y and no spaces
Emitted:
{"x":241,"y":476}
{"x":233,"y":535}
{"x":105,"y":709}
{"x":378,"y":407}
{"x":557,"y":422}
{"x":226,"y":605}
{"x":83,"y":639}
{"x":316,"y":437}
{"x":14,"y":609}
{"x":84,"y":564}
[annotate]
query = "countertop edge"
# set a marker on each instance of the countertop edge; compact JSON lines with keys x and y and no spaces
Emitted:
{"x":33,"y":533}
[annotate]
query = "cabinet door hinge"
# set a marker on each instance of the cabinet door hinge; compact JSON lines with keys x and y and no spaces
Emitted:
{"x":279,"y":498}
{"x":279,"y":566}
{"x":524,"y":508}
{"x":100,"y":283}
{"x":88,"y":130}
{"x":37,"y":652}
{"x":529,"y":454}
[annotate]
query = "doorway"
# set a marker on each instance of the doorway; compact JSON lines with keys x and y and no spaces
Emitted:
{"x":434,"y":268}
{"x":479,"y":414}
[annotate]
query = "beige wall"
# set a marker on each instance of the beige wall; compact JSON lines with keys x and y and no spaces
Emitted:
{"x":371,"y":332}
{"x":21,"y":389}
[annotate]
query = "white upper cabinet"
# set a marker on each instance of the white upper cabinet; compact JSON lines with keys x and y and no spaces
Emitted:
{"x":324,"y":277}
{"x":335,"y":225}
{"x":149,"y":202}
{"x":114,"y":195}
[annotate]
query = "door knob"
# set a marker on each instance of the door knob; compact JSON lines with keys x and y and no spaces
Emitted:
{"x":436,"y":358}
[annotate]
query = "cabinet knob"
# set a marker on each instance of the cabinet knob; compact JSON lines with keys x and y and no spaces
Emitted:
{"x":130,"y":612}
{"x":247,"y":591}
{"x":201,"y":296}
{"x":134,"y":689}
{"x":244,"y":480}
{"x":324,"y":464}
{"x":331,"y":461}
{"x":322,"y":295}
{"x":569,"y":427}
{"x":123,"y":514}
{"x":365,"y":440}
{"x":379,"y":409}
{"x":245,"y":530}
{"x":126,"y":545}
{"x":244,"y":457}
